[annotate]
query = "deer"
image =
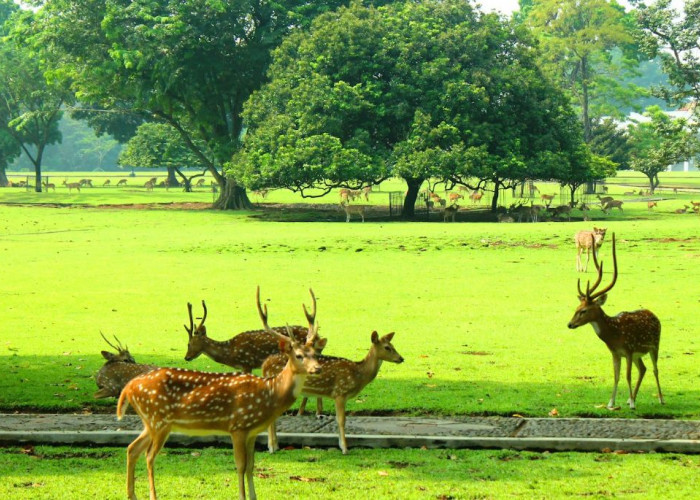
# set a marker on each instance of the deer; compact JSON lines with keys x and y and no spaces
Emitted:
{"x":651,"y":205}
{"x":629,"y":334}
{"x":454,"y":197}
{"x":366,"y":191}
{"x":561,"y":211}
{"x":86,"y":182}
{"x":450,"y":212}
{"x":583,"y":242}
{"x":122,"y":182}
{"x":604,"y":199}
{"x":106,"y":183}
{"x":695,"y":204}
{"x":353,"y":209}
{"x":682,"y":210}
{"x":49,"y":185}
{"x":340,"y":379}
{"x":118,"y":370}
{"x":72,"y":185}
{"x":149,"y":185}
{"x":238,"y":404}
{"x":547,"y":199}
{"x":200,"y":182}
{"x":476,"y":197}
{"x":245,"y":351}
{"x":612,"y":204}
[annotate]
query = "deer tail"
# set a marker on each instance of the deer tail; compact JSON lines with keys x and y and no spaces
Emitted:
{"x":123,"y":404}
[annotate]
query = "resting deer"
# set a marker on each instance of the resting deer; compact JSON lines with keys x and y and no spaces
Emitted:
{"x":72,"y":185}
{"x":340,"y":379}
{"x":119,"y":369}
{"x":682,"y":210}
{"x":353,"y":209}
{"x":450,"y":212}
{"x":561,"y":211}
{"x":629,"y":334}
{"x":583,"y":241}
{"x":245,"y":351}
{"x":239,"y":404}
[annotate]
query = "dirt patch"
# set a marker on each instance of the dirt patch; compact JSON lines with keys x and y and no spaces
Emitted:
{"x":158,"y":206}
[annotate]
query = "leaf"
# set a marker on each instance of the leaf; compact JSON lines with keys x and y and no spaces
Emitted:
{"x":307,"y":479}
{"x":554,"y":412}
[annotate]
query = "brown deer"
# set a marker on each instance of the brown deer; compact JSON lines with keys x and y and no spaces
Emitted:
{"x":682,"y":210}
{"x":86,"y":182}
{"x":547,"y":199}
{"x":583,"y":241}
{"x":122,"y":182}
{"x":651,"y":205}
{"x":239,"y":404}
{"x":106,"y":183}
{"x":149,"y":185}
{"x":340,"y":379}
{"x":561,"y":211}
{"x":72,"y":185}
{"x":119,"y":369}
{"x":245,"y":351}
{"x":612,"y":204}
{"x":353,"y":209}
{"x":476,"y":197}
{"x":695,"y":204}
{"x":454,"y":197}
{"x":200,"y":182}
{"x":604,"y":199}
{"x":629,"y":334}
{"x":49,"y":185}
{"x":366,"y":191}
{"x":450,"y":212}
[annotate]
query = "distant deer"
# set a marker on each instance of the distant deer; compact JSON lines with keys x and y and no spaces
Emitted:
{"x":629,"y":334}
{"x":119,"y":369}
{"x":454,"y":197}
{"x":695,"y":204}
{"x":86,"y":182}
{"x":49,"y":185}
{"x":245,"y":351}
{"x":588,"y":241}
{"x":72,"y":185}
{"x":353,"y":209}
{"x":238,"y":404}
{"x":682,"y":210}
{"x":604,"y":199}
{"x":200,"y":182}
{"x":476,"y":197}
{"x":122,"y":182}
{"x":561,"y":211}
{"x":149,"y":185}
{"x":612,"y":204}
{"x":450,"y":212}
{"x":106,"y":183}
{"x":547,"y":199}
{"x":366,"y":191}
{"x":341,"y":379}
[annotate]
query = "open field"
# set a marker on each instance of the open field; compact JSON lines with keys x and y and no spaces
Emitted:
{"x":50,"y":473}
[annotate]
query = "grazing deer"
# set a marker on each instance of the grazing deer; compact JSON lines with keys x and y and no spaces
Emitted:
{"x":106,"y":183}
{"x":547,"y":199}
{"x":450,"y":212}
{"x":86,"y":182}
{"x":605,"y":199}
{"x":612,"y":204}
{"x":49,"y":185}
{"x":353,"y":209}
{"x":682,"y":210}
{"x":72,"y":185}
{"x":119,"y":369}
{"x":122,"y":182}
{"x":476,"y":197}
{"x":629,"y":334}
{"x":583,"y":241}
{"x":200,"y":182}
{"x":149,"y":185}
{"x":651,"y":205}
{"x":239,"y":404}
{"x":454,"y":197}
{"x":366,"y":191}
{"x":245,"y":351}
{"x":341,"y":379}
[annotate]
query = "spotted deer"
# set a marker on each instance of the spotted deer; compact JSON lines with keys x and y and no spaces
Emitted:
{"x":340,"y":379}
{"x":239,"y":404}
{"x":245,"y":351}
{"x":612,"y":204}
{"x":49,"y":185}
{"x":72,"y":185}
{"x":119,"y":369}
{"x":629,"y":334}
{"x":588,"y":241}
{"x":353,"y":209}
{"x":476,"y":197}
{"x":547,"y":199}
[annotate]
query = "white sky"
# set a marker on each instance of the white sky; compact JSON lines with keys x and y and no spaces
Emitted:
{"x":508,"y":6}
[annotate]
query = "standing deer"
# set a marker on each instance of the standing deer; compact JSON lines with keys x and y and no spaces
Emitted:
{"x":651,"y":205}
{"x":450,"y":212}
{"x":239,"y":404}
{"x":340,"y":379}
{"x":149,"y":185}
{"x":547,"y":199}
{"x":72,"y":185}
{"x":366,"y":191}
{"x":583,"y":241}
{"x":353,"y":209}
{"x":629,"y":334}
{"x":119,"y":369}
{"x":106,"y":183}
{"x":122,"y":182}
{"x":49,"y":185}
{"x":245,"y":351}
{"x":476,"y":197}
{"x":454,"y":197}
{"x":612,"y":204}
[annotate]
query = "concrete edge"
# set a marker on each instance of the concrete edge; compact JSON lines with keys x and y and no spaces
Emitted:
{"x":325,"y":440}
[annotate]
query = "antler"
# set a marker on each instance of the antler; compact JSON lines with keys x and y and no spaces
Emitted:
{"x":190,"y":330}
{"x":591,"y":293}
{"x":262,"y":311}
{"x":204,"y":318}
{"x":118,"y":347}
{"x":311,"y":318}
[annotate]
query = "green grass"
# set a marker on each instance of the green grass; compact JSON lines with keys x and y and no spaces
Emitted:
{"x":55,"y":473}
{"x":480,"y":310}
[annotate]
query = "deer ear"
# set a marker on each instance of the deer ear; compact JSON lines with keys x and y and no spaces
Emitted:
{"x":601,"y":300}
{"x":321,"y":344}
{"x":389,"y":336}
{"x":108,"y":355}
{"x":285,"y":346}
{"x":375,"y":337}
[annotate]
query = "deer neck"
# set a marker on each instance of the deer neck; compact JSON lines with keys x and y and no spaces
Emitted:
{"x":603,"y":326}
{"x":369,"y":367}
{"x":219,"y":351}
{"x":287,"y":384}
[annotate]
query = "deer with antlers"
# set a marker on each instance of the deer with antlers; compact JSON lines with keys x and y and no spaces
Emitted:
{"x":245,"y":351}
{"x":119,"y":369}
{"x":629,"y":334}
{"x":340,"y":379}
{"x":239,"y":404}
{"x":583,"y":241}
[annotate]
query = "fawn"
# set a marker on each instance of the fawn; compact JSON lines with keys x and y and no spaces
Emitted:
{"x":629,"y":334}
{"x":340,"y":379}
{"x":239,"y":404}
{"x":588,"y":241}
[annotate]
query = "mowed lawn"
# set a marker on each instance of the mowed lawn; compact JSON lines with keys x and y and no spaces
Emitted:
{"x":480,"y":310}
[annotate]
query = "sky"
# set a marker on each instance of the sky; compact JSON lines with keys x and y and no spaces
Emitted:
{"x":508,"y":6}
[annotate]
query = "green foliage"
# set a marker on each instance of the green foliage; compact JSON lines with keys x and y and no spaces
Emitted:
{"x":157,"y":145}
{"x":610,"y":141}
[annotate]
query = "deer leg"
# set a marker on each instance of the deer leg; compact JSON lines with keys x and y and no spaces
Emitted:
{"x":134,"y":451}
{"x":240,"y":454}
{"x":319,"y":407}
{"x":250,"y":466}
{"x":272,"y":445}
{"x":654,"y":355}
{"x":628,"y":376}
{"x":641,"y":369}
{"x":362,"y":214}
{"x":157,"y":443}
{"x":302,"y":406}
{"x":340,"y":419}
{"x":616,"y":370}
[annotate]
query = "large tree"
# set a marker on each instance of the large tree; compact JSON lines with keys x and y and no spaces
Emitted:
{"x":661,"y":141}
{"x":191,"y":64}
{"x":422,"y":90}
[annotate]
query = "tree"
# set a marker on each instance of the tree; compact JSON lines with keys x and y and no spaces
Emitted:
{"x":160,"y":145}
{"x":31,"y":104}
{"x":420,"y":90}
{"x":189,"y":64}
{"x":673,"y":37}
{"x":610,"y":140}
{"x":587,"y":48}
{"x":660,"y":142}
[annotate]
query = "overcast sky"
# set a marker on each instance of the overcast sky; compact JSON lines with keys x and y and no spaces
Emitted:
{"x":508,"y":6}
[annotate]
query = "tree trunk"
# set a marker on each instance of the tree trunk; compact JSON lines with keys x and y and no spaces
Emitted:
{"x":37,"y":168}
{"x":3,"y":177}
{"x":409,"y":202}
{"x":655,"y":183}
{"x":232,"y":197}
{"x":494,"y":200}
{"x":172,"y":179}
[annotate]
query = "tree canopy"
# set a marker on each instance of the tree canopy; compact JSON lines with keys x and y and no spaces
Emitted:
{"x":419,"y":90}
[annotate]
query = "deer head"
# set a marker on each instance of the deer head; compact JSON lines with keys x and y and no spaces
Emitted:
{"x":122,"y":355}
{"x":197,"y":336}
{"x":591,"y":302}
{"x":385,"y":349}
